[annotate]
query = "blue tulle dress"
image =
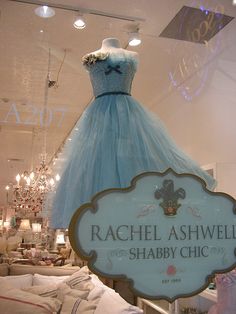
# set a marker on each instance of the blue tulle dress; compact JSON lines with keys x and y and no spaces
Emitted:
{"x":114,"y":140}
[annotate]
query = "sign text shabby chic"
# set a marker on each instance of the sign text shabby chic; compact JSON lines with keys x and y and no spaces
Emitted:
{"x":166,"y":233}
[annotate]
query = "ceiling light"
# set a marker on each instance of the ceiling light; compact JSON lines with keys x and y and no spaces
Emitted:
{"x":234,"y":2}
{"x":134,"y":39}
{"x":44,"y":11}
{"x":79,"y":22}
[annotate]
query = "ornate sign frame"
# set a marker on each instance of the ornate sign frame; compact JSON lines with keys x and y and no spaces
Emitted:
{"x":166,"y":234}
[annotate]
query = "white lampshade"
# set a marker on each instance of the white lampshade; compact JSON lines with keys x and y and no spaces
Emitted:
{"x":6,"y":224}
{"x":60,"y":239}
{"x":36,"y":227}
{"x":24,"y":225}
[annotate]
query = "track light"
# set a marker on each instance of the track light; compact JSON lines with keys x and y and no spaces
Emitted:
{"x":44,"y":11}
{"x":79,"y":22}
{"x":134,"y":39}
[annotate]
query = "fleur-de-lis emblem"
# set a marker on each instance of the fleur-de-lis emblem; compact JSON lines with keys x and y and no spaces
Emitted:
{"x":170,"y":197}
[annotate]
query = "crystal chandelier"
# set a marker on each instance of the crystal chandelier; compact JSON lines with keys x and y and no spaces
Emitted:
{"x":29,"y":192}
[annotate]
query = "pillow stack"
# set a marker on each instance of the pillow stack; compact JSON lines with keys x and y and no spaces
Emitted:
{"x":81,"y":292}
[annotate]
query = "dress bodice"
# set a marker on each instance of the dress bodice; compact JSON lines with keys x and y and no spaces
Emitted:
{"x":113,"y":73}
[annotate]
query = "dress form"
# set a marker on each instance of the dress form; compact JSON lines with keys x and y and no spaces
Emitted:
{"x":110,"y":43}
{"x":113,"y":45}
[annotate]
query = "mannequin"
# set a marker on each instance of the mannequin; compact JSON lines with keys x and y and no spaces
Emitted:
{"x":113,"y":45}
{"x":110,"y":43}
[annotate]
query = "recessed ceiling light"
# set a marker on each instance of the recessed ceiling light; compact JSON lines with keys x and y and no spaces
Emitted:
{"x":44,"y":11}
{"x":79,"y":22}
{"x":41,"y":31}
{"x":134,"y":39}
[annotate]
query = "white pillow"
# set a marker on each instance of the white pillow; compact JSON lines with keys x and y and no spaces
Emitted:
{"x":80,"y":280}
{"x":96,"y":281}
{"x":47,"y":280}
{"x":19,"y":281}
{"x":16,"y":301}
{"x":96,"y":293}
{"x":63,"y":290}
{"x":4,"y":284}
{"x":44,"y":290}
{"x":77,"y":306}
{"x":112,"y":300}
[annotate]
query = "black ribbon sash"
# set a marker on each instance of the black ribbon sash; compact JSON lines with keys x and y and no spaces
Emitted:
{"x":110,"y":69}
{"x":113,"y":93}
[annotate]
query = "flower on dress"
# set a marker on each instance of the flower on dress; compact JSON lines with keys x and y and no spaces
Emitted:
{"x":92,"y":58}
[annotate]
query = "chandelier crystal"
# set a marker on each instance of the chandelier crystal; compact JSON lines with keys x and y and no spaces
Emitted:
{"x":30,"y":190}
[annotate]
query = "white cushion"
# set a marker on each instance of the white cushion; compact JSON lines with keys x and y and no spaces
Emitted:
{"x":20,"y":281}
{"x":96,"y":292}
{"x":77,"y":306}
{"x":16,"y":301}
{"x":47,"y":280}
{"x":96,"y":281}
{"x":43,"y":290}
{"x":63,"y":289}
{"x":112,"y":300}
{"x":80,"y":280}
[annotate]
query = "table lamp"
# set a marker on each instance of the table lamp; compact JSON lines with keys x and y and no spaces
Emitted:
{"x":36,"y":229}
{"x":60,"y":241}
{"x":24,"y":226}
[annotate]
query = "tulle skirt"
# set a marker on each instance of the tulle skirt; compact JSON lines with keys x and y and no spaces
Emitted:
{"x":114,"y":140}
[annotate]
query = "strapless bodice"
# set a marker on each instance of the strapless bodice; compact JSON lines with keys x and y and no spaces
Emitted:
{"x":113,"y":74}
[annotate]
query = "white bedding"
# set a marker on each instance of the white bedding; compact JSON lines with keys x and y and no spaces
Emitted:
{"x":80,"y":292}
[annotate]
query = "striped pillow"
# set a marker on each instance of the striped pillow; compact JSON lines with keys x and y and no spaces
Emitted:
{"x":39,"y":279}
{"x":63,"y":289}
{"x":43,"y":290}
{"x":80,"y":280}
{"x":16,"y":301}
{"x":77,"y":306}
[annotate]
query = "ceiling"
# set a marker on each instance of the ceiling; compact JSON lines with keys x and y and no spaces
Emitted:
{"x":168,"y":72}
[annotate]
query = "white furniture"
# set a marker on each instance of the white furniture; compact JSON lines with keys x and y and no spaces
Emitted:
{"x":158,"y":306}
{"x":202,"y":301}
